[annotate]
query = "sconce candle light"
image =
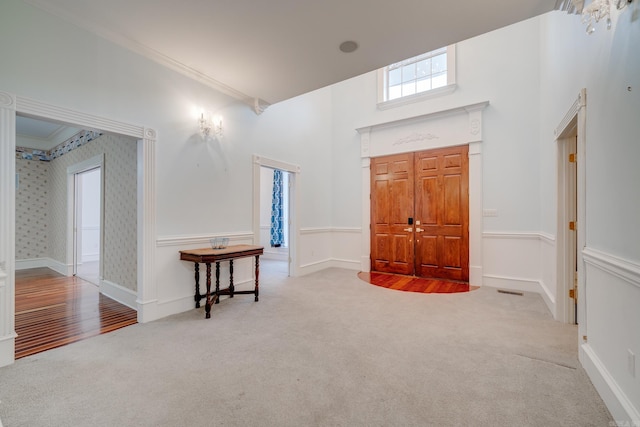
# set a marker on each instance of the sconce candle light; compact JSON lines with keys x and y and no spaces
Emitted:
{"x":210,"y":126}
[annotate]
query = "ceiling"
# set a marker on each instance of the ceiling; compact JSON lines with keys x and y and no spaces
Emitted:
{"x":40,"y":134}
{"x":277,"y":49}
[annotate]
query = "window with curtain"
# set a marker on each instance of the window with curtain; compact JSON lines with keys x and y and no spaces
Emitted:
{"x":277,"y":207}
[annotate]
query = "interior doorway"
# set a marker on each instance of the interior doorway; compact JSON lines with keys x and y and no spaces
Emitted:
{"x":275,"y":223}
{"x":571,"y":219}
{"x":87,"y":250}
{"x":262,"y":199}
{"x":420,"y":213}
{"x":568,"y":219}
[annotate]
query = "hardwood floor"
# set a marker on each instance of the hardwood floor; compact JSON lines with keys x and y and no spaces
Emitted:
{"x":415,"y":284}
{"x":53,"y":310}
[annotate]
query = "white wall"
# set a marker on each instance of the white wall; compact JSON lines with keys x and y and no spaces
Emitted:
{"x":530,"y":73}
{"x":607,"y":64}
{"x":203,"y":188}
{"x":500,"y":67}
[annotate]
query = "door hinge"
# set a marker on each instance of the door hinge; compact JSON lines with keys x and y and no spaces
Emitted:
{"x":572,"y":293}
{"x":572,"y":158}
{"x":572,"y":225}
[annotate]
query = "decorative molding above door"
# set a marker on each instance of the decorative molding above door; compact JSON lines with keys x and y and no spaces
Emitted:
{"x":445,"y":128}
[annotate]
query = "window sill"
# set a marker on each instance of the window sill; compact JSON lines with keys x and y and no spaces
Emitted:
{"x":434,"y":93}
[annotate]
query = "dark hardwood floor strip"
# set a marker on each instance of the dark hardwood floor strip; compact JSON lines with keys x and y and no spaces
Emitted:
{"x":399,"y":282}
{"x":53,"y":310}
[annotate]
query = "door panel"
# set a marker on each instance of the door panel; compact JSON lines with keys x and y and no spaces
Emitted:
{"x":432,"y":188}
{"x":428,"y":255}
{"x":428,"y":188}
{"x":442,"y":209}
{"x":392,"y":187}
{"x":452,"y":200}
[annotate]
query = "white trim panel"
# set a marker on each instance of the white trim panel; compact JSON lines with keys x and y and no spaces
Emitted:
{"x":203,"y":239}
{"x":621,"y":268}
{"x":621,"y":407}
{"x":513,"y":260}
{"x":612,"y":297}
{"x":57,"y":266}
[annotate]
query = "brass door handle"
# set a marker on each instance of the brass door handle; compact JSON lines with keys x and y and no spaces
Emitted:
{"x":419,"y":230}
{"x":408,"y":229}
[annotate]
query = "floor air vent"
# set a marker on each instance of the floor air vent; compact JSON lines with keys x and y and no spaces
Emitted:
{"x":502,"y":291}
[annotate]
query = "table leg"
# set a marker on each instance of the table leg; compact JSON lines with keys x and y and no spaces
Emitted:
{"x":197,"y":295}
{"x":231,"y":287}
{"x":217,"y":282}
{"x":207,"y":306}
{"x":257,"y":275}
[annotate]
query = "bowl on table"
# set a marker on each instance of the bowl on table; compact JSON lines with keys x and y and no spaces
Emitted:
{"x":219,"y":242}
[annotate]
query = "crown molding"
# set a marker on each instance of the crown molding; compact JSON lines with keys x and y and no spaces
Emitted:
{"x":257,"y":104}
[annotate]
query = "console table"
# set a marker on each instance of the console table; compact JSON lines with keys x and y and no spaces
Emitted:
{"x":207,"y":256}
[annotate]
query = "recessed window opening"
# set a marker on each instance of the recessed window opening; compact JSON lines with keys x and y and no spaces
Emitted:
{"x":418,"y":74}
{"x":413,"y":79}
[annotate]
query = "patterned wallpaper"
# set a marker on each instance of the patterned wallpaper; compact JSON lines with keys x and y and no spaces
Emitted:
{"x":120,"y":205}
{"x":32,"y":207}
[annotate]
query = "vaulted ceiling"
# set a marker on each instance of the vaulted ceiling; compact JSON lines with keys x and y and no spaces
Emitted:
{"x":272,"y":50}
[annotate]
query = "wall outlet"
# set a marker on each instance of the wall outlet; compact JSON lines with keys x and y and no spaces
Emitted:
{"x":631,"y":363}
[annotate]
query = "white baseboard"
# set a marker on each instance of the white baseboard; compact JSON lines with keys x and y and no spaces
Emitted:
{"x":64,"y":269}
{"x":176,"y":305}
{"x":523,"y":285}
{"x":7,"y":349}
{"x":347,"y":264}
{"x":475,"y":275}
{"x":90,"y":257}
{"x":276,"y":256}
{"x":622,"y":409}
{"x":365,"y":264}
{"x":25,"y":264}
{"x":548,"y":298}
{"x":180,"y":305}
{"x":148,"y":311}
{"x":119,"y":293}
{"x":314,"y":267}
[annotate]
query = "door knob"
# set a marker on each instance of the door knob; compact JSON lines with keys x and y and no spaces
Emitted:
{"x":408,"y":229}
{"x":419,"y":230}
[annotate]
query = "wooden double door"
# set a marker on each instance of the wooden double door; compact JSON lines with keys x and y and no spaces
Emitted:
{"x":420,"y":213}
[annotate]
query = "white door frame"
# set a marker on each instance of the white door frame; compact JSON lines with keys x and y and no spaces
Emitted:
{"x":447,"y":128}
{"x":294,"y":231}
{"x":72,"y":209}
{"x":11,"y":104}
{"x":573,"y":123}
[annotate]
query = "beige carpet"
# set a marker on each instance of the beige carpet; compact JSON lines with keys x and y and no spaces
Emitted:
{"x":322,"y":350}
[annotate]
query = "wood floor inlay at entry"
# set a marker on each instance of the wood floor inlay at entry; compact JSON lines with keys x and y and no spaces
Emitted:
{"x":53,"y":310}
{"x":399,"y":282}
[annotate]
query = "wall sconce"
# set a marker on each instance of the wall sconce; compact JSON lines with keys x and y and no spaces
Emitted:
{"x":210,"y":126}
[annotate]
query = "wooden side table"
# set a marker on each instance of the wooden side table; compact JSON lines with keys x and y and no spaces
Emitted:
{"x":207,"y":256}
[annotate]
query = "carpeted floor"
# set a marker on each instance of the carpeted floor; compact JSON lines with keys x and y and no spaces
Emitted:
{"x":322,"y":350}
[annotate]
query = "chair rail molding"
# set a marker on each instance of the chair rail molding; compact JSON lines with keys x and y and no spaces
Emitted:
{"x":621,"y":268}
